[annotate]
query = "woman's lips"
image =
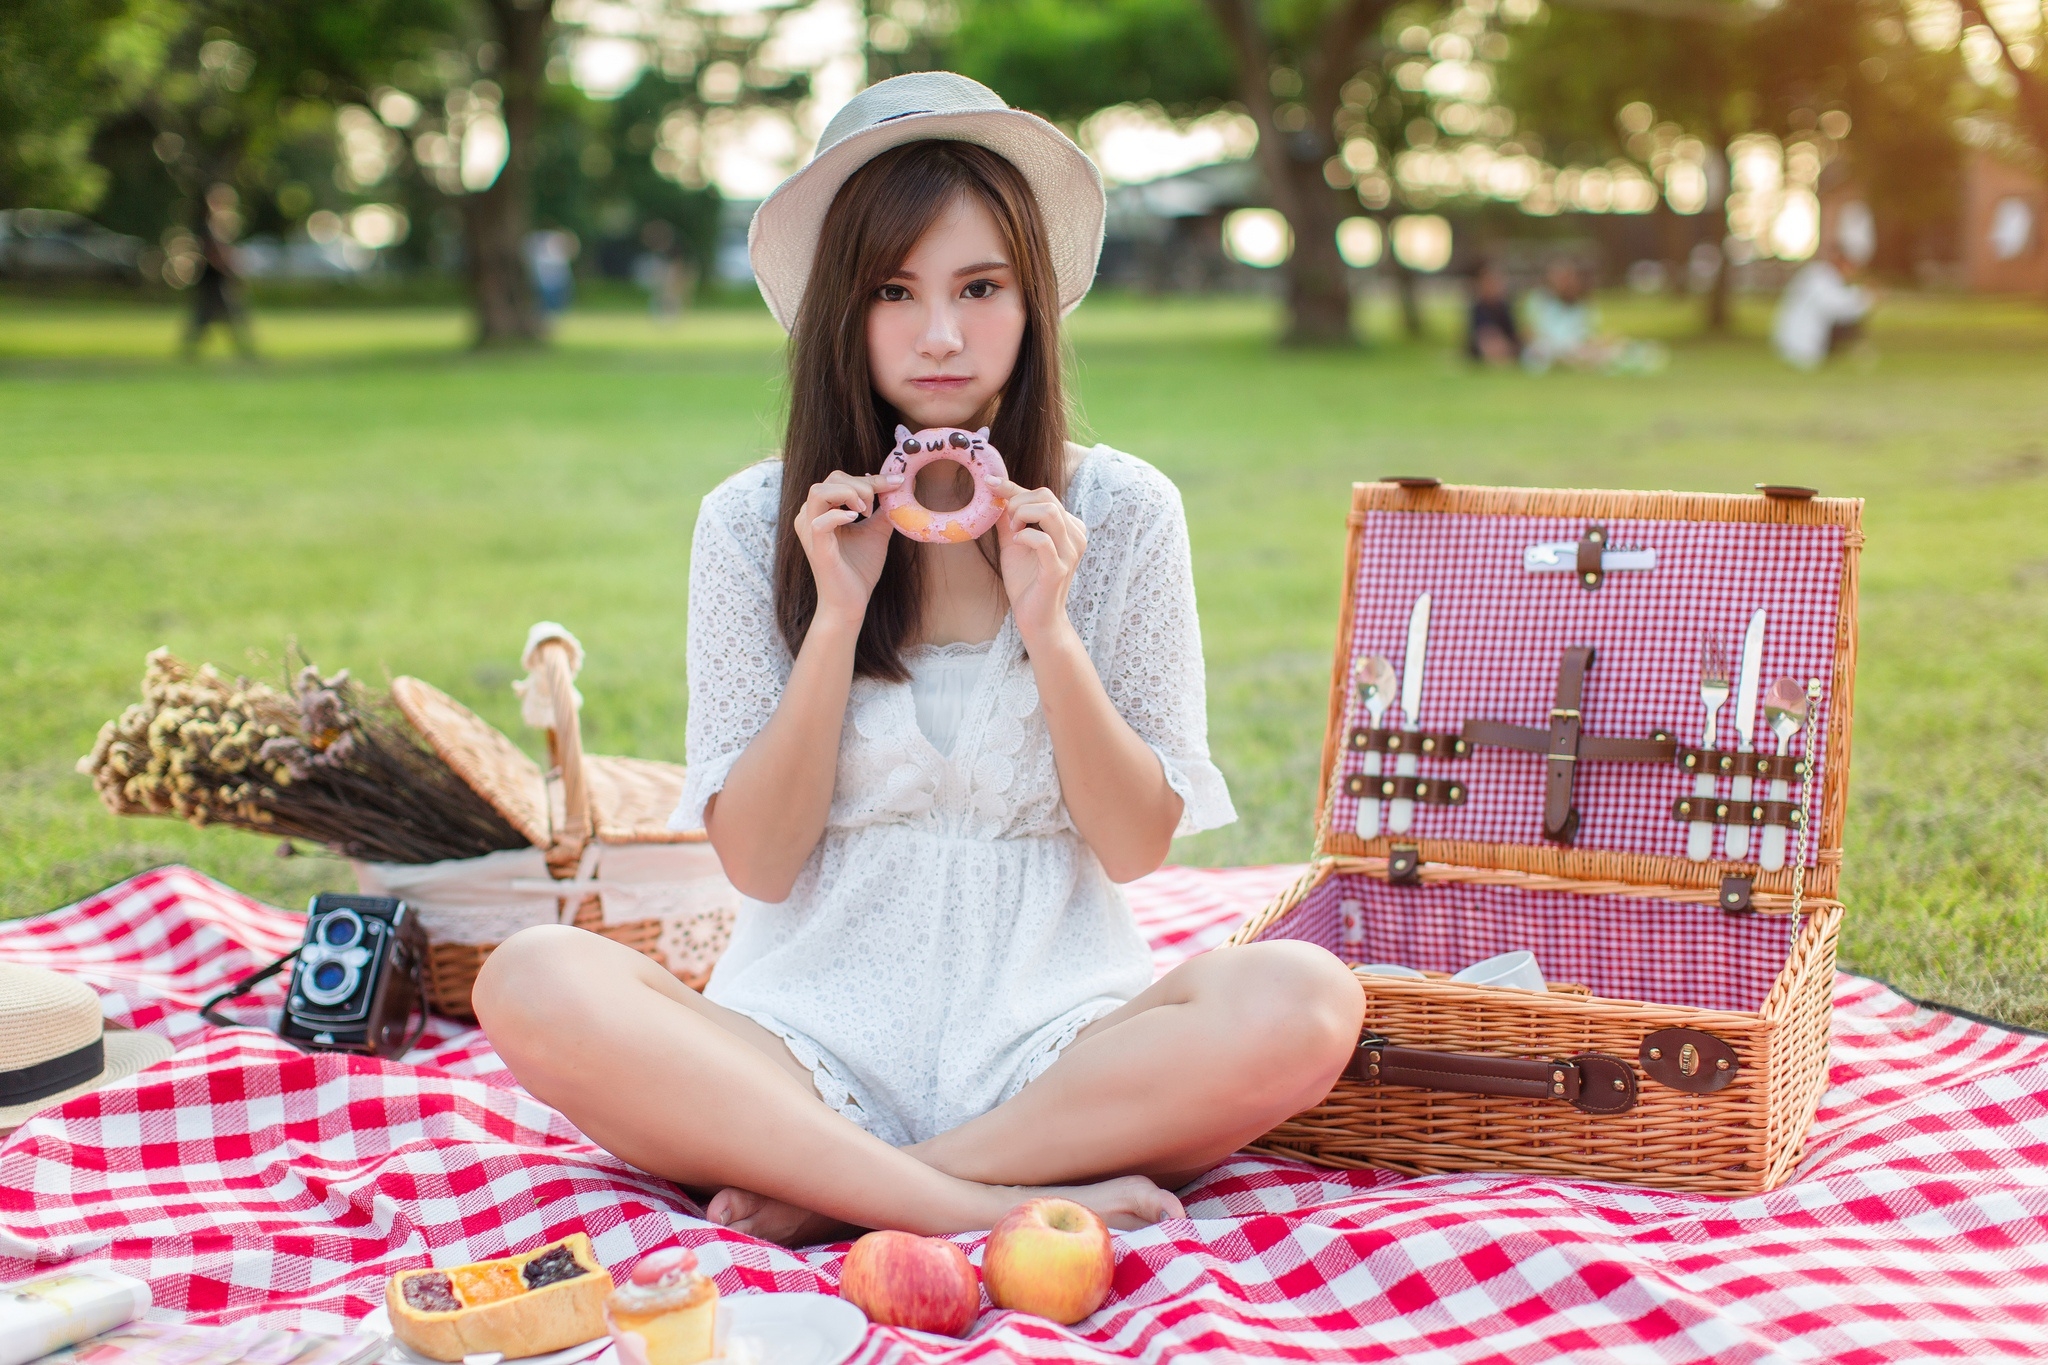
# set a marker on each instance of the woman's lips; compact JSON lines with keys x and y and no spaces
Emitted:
{"x":942,"y":381}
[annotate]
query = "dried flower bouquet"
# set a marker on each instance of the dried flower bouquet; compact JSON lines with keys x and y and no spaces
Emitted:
{"x":328,"y":763}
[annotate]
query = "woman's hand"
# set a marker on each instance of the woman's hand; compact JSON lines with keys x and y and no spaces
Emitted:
{"x":1041,"y":544}
{"x":846,"y":553}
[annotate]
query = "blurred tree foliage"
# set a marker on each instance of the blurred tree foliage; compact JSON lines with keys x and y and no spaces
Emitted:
{"x":1309,"y":72}
{"x":1721,"y":70}
{"x":64,"y":66}
{"x":1065,"y":59}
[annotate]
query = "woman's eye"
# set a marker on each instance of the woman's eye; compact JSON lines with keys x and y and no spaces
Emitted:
{"x":892,"y":293}
{"x":982,"y":289}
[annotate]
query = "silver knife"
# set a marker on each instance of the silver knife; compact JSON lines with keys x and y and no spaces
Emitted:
{"x":1737,"y":836}
{"x":1401,"y":813}
{"x":1562,"y":556}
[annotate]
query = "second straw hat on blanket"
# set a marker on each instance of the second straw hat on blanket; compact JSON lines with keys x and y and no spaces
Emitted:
{"x":929,"y":104}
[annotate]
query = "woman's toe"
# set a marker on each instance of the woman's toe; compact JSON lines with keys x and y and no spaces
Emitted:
{"x":732,"y":1207}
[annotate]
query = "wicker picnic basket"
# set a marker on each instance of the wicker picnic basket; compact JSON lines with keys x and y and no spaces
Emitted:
{"x":599,"y":824}
{"x":1554,"y":773}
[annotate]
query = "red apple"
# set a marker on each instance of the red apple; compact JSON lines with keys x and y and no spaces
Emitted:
{"x":1051,"y":1257}
{"x":902,"y":1280}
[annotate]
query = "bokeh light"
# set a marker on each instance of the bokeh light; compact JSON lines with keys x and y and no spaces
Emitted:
{"x":1422,"y":241}
{"x":1360,"y":242}
{"x":1258,"y":237}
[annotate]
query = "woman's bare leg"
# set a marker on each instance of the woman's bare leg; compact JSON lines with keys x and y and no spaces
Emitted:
{"x":666,"y":1080}
{"x":1204,"y":1061}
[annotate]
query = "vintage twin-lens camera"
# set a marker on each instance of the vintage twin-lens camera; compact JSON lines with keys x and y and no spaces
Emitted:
{"x":357,"y":982}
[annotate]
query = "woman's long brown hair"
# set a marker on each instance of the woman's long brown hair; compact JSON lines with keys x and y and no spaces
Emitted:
{"x":838,"y":421}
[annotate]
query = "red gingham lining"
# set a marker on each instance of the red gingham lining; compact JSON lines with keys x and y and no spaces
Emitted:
{"x":1620,"y":947}
{"x":246,"y":1181}
{"x":1496,"y":632}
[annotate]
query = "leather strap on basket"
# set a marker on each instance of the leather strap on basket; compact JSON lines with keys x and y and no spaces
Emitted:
{"x":1591,"y":1082}
{"x":1564,"y":745}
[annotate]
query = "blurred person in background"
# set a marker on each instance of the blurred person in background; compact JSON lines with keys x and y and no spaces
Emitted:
{"x":1822,"y":311}
{"x":1491,"y":335}
{"x":217,"y":296}
{"x":549,"y":253}
{"x":1564,"y":329}
{"x":662,"y":272}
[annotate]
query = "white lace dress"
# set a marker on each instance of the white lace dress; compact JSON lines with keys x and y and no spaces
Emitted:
{"x":951,"y":932}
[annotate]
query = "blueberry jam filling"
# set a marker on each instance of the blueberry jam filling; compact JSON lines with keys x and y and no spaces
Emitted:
{"x":431,"y":1293}
{"x":552,"y":1268}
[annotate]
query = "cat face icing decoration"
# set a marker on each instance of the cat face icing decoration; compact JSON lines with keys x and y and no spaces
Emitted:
{"x":969,"y":449}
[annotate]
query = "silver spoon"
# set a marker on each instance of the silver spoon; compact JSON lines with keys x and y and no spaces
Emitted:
{"x":1373,"y":675}
{"x":1784,"y":717}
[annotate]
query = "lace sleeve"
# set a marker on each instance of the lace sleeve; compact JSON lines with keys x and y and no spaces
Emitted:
{"x":738,"y":664}
{"x":1154,"y":669}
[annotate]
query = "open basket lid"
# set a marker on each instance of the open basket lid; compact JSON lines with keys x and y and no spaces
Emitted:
{"x":630,"y":798}
{"x":1509,"y":600}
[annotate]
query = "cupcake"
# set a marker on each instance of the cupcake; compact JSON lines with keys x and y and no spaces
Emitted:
{"x":665,"y":1311}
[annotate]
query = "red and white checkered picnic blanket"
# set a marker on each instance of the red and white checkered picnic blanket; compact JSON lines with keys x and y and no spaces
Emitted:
{"x":246,"y":1180}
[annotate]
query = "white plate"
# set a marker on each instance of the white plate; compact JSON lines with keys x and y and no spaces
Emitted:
{"x":379,"y":1324}
{"x":786,"y":1329}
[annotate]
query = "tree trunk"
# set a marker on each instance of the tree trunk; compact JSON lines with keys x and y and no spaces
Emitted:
{"x":1406,"y":286}
{"x":495,"y":221}
{"x":1716,"y":221}
{"x":1318,"y":282}
{"x":1318,"y":289}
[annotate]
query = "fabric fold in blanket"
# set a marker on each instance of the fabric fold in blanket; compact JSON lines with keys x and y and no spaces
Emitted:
{"x":248,"y":1181}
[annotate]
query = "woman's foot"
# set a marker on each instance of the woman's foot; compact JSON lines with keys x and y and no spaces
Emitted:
{"x":771,"y":1220}
{"x":1125,"y":1203}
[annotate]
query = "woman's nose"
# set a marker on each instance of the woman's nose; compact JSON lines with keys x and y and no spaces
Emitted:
{"x":941,"y":335}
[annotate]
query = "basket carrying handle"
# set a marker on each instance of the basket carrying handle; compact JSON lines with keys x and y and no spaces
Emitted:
{"x":565,"y":744}
{"x":1591,"y":1082}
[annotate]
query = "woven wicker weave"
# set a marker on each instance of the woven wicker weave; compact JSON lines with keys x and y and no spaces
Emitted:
{"x":1743,"y":1138}
{"x":611,"y":800}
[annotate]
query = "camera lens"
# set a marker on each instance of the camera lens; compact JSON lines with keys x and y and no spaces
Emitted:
{"x":329,"y":975}
{"x":342,"y":929}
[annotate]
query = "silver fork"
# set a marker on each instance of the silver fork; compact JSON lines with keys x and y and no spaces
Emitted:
{"x":1699,"y":836}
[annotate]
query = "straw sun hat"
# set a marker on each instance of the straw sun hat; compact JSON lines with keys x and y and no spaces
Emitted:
{"x":52,"y":1044}
{"x":929,"y":104}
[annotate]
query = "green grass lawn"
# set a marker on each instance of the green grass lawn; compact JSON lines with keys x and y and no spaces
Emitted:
{"x":396,"y":505}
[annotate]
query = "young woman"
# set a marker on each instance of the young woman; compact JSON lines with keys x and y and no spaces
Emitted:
{"x":927,"y":765}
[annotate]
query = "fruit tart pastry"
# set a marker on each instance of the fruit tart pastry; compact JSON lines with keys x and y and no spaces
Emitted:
{"x":524,"y":1305}
{"x":665,"y":1312}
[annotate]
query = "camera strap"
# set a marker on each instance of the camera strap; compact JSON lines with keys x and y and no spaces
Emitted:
{"x":243,"y":987}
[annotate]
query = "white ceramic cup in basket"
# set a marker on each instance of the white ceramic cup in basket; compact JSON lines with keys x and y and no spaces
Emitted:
{"x":1516,"y":971}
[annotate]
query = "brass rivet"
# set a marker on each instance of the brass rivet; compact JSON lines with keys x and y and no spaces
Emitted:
{"x":1557,"y":1090}
{"x":1386,"y":789}
{"x":1655,"y":1053}
{"x":1685,"y":808}
{"x":1721,"y":809}
{"x":1620,"y":1084}
{"x":1592,"y":578}
{"x":1422,"y":789}
{"x":1735,"y":898}
{"x":1557,"y":1076}
{"x":1428,"y":744}
{"x":1456,"y":791}
{"x":1374,"y":1056}
{"x":1596,"y":535}
{"x":1721,"y":1065}
{"x":1689,"y":1059}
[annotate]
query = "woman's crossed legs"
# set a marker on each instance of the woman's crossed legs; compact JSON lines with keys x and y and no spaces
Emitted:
{"x":1150,"y":1096}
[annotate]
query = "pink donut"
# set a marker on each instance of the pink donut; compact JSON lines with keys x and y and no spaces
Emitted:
{"x":915,"y":450}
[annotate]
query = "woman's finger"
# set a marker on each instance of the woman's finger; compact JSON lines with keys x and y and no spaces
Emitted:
{"x":834,"y":519}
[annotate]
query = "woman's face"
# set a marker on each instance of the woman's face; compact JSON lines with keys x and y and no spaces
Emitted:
{"x":944,"y":330}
